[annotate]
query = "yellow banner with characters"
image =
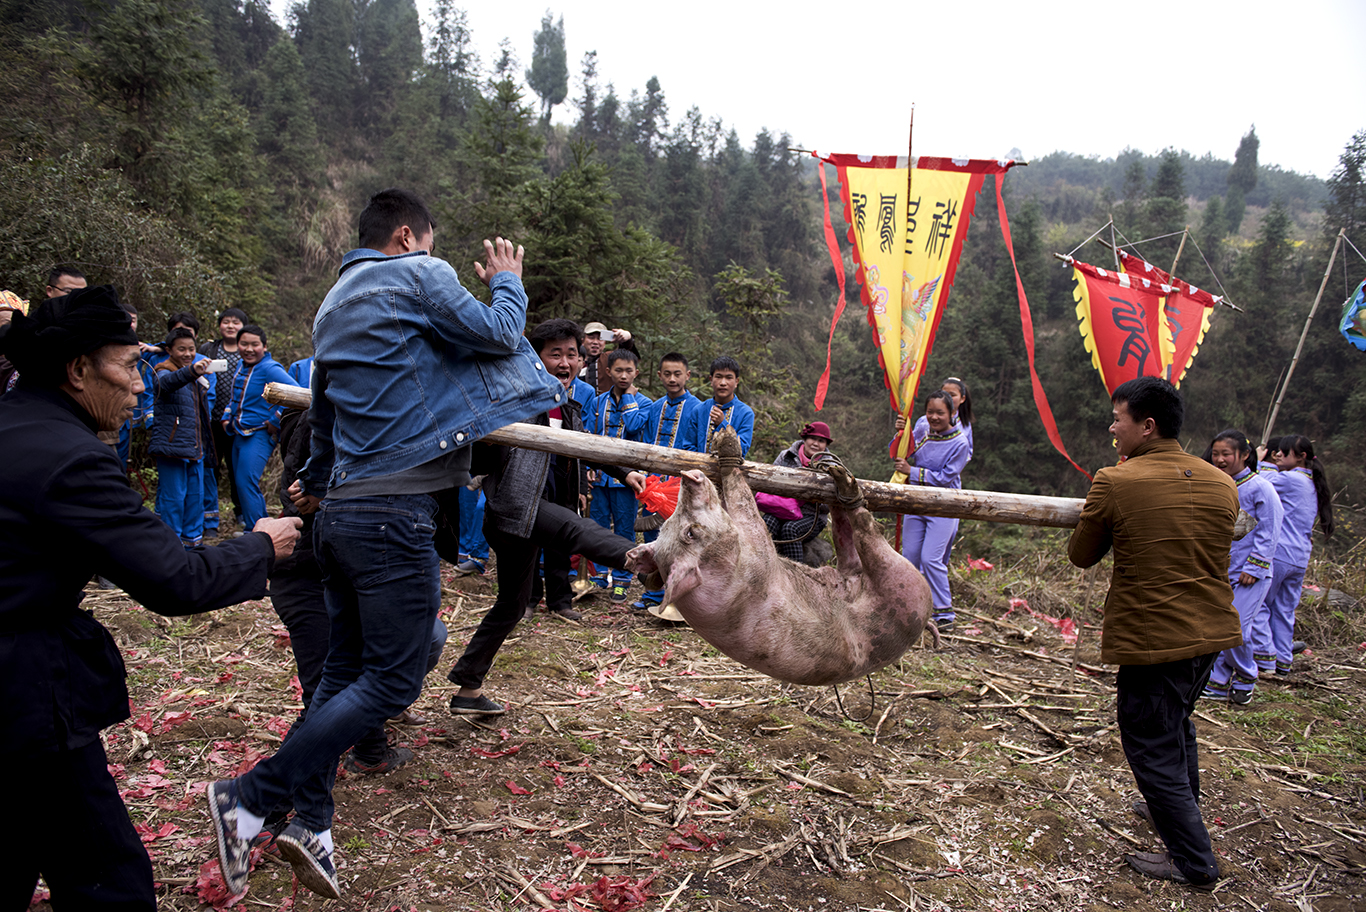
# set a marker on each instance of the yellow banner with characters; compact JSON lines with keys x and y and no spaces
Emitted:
{"x":908,"y":232}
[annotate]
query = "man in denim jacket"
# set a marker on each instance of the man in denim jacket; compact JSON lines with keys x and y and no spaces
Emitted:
{"x":409,"y":369}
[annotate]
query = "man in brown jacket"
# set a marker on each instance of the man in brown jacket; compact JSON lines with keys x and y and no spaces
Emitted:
{"x":1169,"y":517}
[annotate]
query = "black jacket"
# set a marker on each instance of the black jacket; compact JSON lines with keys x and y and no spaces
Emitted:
{"x":515,"y":478}
{"x":66,"y":513}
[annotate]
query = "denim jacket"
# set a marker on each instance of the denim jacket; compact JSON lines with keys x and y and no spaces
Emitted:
{"x":407,"y":365}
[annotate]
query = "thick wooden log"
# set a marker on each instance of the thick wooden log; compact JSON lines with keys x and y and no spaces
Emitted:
{"x":803,"y":484}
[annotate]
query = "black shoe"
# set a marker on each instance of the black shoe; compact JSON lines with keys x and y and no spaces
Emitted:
{"x":311,"y":861}
{"x":1298,"y":646}
{"x":1140,"y":808}
{"x":476,"y":706}
{"x":569,"y":614}
{"x":1159,"y":866}
{"x":1240,"y":697}
{"x":394,"y":757}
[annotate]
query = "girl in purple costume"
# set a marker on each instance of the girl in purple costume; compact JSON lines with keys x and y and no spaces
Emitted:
{"x":938,"y":461}
{"x":1303,"y":488}
{"x":1249,"y":568}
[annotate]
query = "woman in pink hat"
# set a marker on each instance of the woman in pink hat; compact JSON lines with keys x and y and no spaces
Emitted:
{"x":793,"y":523}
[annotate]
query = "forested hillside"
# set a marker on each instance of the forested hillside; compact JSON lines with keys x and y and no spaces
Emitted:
{"x":201,"y":154}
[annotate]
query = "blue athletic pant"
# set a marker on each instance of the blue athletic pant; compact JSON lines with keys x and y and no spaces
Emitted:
{"x":472,"y":541}
{"x":249,"y":458}
{"x":615,"y":510}
{"x":180,"y":497}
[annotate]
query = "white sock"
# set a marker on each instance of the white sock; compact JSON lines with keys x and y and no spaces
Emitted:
{"x":325,"y":837}
{"x":248,"y":824}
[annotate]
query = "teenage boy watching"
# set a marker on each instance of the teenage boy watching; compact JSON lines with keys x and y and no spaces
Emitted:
{"x":723,"y":409}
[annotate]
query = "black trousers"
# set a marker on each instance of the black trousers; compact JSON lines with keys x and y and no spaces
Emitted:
{"x":1155,"y":705}
{"x":556,"y":527}
{"x":67,"y":822}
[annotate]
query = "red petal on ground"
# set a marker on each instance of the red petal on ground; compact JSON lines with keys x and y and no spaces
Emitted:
{"x":493,"y":755}
{"x":515,"y":788}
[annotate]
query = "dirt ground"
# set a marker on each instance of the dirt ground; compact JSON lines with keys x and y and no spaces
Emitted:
{"x":637,"y":768}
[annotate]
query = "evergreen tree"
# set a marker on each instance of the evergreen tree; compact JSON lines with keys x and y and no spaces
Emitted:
{"x":1242,"y":178}
{"x":451,"y":62}
{"x":1211,"y":239}
{"x":501,"y":154}
{"x":285,"y":130}
{"x":648,"y":118}
{"x":1165,"y":212}
{"x":588,"y":103}
{"x":389,"y":50}
{"x":1346,"y":206}
{"x":548,"y":75}
{"x":1131,"y":199}
{"x":143,"y":64}
{"x":325,"y":31}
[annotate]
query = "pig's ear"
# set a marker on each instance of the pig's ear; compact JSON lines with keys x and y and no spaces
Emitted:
{"x":684,"y":577}
{"x":642,"y":560}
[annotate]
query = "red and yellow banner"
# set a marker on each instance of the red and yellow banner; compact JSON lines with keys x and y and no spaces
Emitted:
{"x":1121,"y":321}
{"x":1186,"y":311}
{"x":908,"y":232}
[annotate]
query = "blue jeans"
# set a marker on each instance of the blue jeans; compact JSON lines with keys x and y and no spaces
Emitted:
{"x":615,"y":507}
{"x":382,"y":588}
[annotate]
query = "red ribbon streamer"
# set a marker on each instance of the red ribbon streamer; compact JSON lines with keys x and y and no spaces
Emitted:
{"x":1027,"y":324}
{"x":838,"y":262}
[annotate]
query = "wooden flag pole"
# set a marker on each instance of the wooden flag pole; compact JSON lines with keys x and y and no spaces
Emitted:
{"x":1185,"y":232}
{"x":1271,"y":422}
{"x":803,"y":484}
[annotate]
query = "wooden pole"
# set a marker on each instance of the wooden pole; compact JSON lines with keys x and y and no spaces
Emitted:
{"x":1271,"y":422}
{"x":1185,"y":232}
{"x":803,"y":484}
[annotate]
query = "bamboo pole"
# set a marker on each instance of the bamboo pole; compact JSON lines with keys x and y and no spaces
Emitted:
{"x":1185,"y":232}
{"x":1271,"y":422}
{"x":803,"y":484}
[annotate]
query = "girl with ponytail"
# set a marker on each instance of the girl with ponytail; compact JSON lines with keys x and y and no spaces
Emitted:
{"x":1250,"y":563}
{"x":1302,"y":485}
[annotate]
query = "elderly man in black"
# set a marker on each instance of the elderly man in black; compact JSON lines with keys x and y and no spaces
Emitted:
{"x":67,"y":513}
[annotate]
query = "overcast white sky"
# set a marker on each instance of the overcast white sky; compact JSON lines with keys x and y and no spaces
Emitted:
{"x":985,"y":76}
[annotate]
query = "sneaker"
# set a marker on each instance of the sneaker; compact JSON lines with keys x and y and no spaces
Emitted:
{"x":1140,"y":809}
{"x":310,"y":859}
{"x":645,"y":603}
{"x":394,"y":757}
{"x":1240,"y":697}
{"x":470,"y":567}
{"x":569,"y":614}
{"x":618,"y":593}
{"x":1282,"y":668}
{"x":944,"y":621}
{"x":1298,"y":646}
{"x":476,"y":706}
{"x":234,"y":855}
{"x":1216,"y":692}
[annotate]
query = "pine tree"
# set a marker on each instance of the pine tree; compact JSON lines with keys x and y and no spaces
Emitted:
{"x":1346,"y":206}
{"x":389,"y":50}
{"x":1242,"y":178}
{"x":548,"y":75}
{"x":325,"y":31}
{"x":587,"y":104}
{"x":1165,"y":212}
{"x":647,"y":117}
{"x":451,"y":61}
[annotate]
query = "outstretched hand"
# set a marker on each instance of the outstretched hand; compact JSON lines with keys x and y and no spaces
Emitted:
{"x":283,"y":532}
{"x":500,"y":257}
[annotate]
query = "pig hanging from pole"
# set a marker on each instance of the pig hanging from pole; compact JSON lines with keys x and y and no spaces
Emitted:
{"x":799,"y":624}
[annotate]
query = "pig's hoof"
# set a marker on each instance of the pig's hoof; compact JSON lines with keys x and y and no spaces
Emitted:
{"x":726,"y":446}
{"x":846,"y":485}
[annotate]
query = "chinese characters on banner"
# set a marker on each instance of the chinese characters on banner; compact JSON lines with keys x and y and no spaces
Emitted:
{"x":1186,"y":311}
{"x":906,"y":246}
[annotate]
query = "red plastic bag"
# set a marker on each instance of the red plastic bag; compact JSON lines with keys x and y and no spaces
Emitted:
{"x":661,"y":495}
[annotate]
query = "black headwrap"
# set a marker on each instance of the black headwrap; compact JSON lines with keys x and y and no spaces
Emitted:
{"x":61,"y":330}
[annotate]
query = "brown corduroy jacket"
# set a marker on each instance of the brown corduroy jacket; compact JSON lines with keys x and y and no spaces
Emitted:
{"x":1169,"y":517}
